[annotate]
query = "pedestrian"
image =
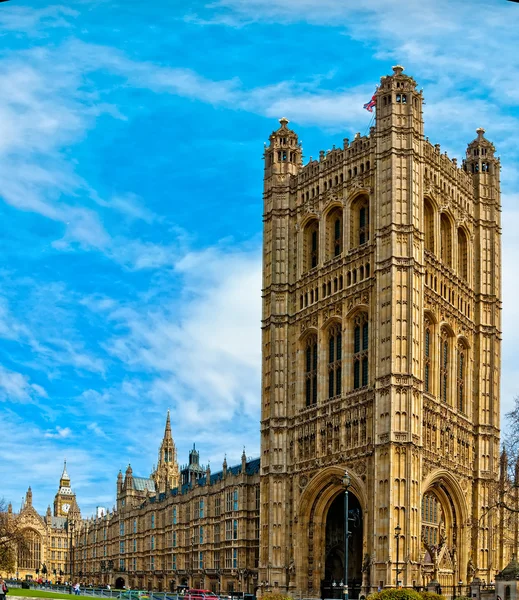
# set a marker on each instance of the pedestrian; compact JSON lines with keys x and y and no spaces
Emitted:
{"x":3,"y":589}
{"x":76,"y":589}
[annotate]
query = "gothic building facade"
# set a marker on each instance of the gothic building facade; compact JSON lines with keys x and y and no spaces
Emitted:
{"x":179,"y":527}
{"x":47,"y":537}
{"x":381,"y":356}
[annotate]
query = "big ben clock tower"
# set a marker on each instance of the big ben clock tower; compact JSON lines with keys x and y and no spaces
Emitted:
{"x":65,"y":498}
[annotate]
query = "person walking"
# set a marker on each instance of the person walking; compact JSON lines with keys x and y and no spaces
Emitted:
{"x":3,"y":589}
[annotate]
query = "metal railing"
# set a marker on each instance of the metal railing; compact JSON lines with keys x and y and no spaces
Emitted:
{"x":96,"y":592}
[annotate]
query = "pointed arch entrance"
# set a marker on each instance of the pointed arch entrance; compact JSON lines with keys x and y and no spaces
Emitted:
{"x":332,"y":584}
{"x":443,"y":515}
{"x":319,"y":555}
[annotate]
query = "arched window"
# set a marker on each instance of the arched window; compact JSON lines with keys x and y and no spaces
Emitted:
{"x":446,"y":240}
{"x":334,"y":361}
{"x":428,"y":216}
{"x":334,"y":228}
{"x":461,"y":369}
{"x":360,"y":351}
{"x":311,"y":370}
{"x":444,"y":364}
{"x":360,"y":222}
{"x":337,"y":236}
{"x":427,"y":357}
{"x":311,"y":245}
{"x":29,"y":556}
{"x":462,"y":254}
{"x":363,"y":224}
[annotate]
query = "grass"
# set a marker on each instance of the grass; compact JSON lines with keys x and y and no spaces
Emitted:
{"x":38,"y":594}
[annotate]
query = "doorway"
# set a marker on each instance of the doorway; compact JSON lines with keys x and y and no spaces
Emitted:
{"x":332,"y":584}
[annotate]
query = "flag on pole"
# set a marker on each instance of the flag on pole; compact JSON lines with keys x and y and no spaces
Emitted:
{"x":372,"y":103}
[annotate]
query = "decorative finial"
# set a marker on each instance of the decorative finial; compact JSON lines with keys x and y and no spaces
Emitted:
{"x":480,"y":131}
{"x":398,"y":69}
{"x":284,"y":122}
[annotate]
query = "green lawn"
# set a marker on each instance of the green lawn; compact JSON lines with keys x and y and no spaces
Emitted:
{"x":37,"y":593}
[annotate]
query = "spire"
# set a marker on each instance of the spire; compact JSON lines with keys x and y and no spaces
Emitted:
{"x":167,"y":432}
{"x":64,"y":475}
{"x":243,"y":461}
{"x":28,"y":497}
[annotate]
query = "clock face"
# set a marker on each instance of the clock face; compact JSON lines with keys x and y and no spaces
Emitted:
{"x":65,"y":507}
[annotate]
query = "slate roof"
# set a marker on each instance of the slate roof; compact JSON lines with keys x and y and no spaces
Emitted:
{"x":251,"y":468}
{"x":141,"y":484}
{"x":58,"y":522}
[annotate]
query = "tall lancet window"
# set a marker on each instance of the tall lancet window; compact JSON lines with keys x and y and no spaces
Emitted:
{"x":446,"y":240}
{"x":360,"y":351}
{"x":460,"y":379}
{"x":311,"y":370}
{"x":363,"y":223}
{"x":337,"y":236}
{"x":462,"y":254}
{"x":444,"y":365}
{"x":311,"y":245}
{"x":334,"y":361}
{"x":427,"y":357}
{"x":428,"y":217}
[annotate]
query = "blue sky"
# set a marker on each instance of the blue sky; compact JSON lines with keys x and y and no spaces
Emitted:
{"x":131,"y":140}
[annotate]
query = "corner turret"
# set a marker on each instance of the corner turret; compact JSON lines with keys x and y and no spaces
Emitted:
{"x":284,"y":155}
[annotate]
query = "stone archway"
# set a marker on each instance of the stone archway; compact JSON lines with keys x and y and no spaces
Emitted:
{"x":119,"y":583}
{"x":331,"y":585}
{"x":315,"y":503}
{"x":443,"y":533}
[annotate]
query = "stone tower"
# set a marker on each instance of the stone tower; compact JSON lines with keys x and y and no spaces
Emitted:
{"x":65,"y":498}
{"x":381,"y":356}
{"x":166,"y":475}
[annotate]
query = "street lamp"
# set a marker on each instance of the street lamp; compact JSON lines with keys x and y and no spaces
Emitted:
{"x":460,"y":583}
{"x":398,"y":530}
{"x":346,"y":481}
{"x":71,"y":554}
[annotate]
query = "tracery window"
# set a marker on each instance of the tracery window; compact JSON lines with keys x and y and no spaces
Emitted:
{"x":29,"y":557}
{"x":334,"y":361}
{"x":360,"y":351}
{"x":427,"y":356}
{"x":444,"y":365}
{"x":432,"y":519}
{"x":460,"y":378}
{"x":311,"y":370}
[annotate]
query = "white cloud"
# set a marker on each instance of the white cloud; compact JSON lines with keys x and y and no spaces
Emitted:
{"x":95,"y":428}
{"x":59,"y":433}
{"x":33,"y":21}
{"x":204,"y":349}
{"x":15,"y":387}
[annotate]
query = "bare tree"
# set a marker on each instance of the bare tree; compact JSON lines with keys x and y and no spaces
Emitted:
{"x":12,"y":538}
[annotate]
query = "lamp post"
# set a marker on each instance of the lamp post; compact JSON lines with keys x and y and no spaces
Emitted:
{"x":71,"y":555}
{"x":460,"y":583}
{"x":398,"y":530}
{"x":346,"y":481}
